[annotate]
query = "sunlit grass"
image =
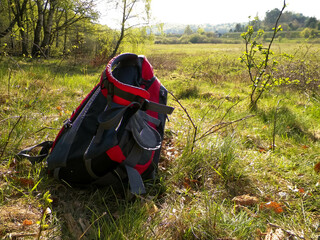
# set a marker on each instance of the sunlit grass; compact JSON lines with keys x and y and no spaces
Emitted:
{"x":192,"y":198}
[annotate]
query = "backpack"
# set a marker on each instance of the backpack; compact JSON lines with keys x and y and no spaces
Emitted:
{"x":117,"y":130}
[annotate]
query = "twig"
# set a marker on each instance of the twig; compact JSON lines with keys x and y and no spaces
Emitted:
{"x":51,"y":128}
{"x":222,"y":125}
{"x":19,"y":235}
{"x":10,"y":71}
{"x":230,"y":110}
{"x":287,"y":231}
{"x":6,"y":144}
{"x":3,"y":120}
{"x":190,"y":119}
{"x":275,"y":126}
{"x":103,"y":214}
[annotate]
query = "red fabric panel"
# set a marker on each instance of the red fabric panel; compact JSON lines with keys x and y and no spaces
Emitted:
{"x":147,"y":70}
{"x":128,"y":88}
{"x":142,"y":168}
{"x":154,"y":91}
{"x":115,"y":154}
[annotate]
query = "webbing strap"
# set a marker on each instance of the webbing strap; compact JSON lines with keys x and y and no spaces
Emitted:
{"x":56,"y":172}
{"x":135,"y":181}
{"x":88,"y":165}
{"x":134,"y":156}
{"x":42,"y":155}
{"x":148,"y":118}
{"x":157,"y":107}
{"x":113,"y":122}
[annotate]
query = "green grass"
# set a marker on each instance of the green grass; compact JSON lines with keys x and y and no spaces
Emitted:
{"x":199,"y":175}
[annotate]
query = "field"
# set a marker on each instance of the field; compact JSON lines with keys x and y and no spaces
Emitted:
{"x":226,"y":172}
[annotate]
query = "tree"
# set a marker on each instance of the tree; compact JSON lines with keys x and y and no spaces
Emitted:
{"x":271,"y":17}
{"x":200,"y":31}
{"x":312,"y":23}
{"x":188,"y":30}
{"x":130,"y":18}
{"x":238,"y":28}
{"x":257,"y":58}
{"x":63,"y":14}
{"x":18,"y":9}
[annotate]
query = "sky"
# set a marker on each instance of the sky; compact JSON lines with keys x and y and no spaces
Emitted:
{"x":219,"y":11}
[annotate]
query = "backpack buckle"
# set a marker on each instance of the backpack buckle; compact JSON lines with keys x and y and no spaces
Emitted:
{"x":67,"y":124}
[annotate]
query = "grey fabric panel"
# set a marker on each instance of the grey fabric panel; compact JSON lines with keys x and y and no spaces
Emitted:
{"x":145,"y":136}
{"x":135,"y":181}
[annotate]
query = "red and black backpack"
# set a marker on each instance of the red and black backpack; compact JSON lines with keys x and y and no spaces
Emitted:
{"x":116,"y":132}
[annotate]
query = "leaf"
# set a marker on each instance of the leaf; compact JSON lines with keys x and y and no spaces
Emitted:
{"x":262,"y":150}
{"x":27,"y":222}
{"x":24,"y":181}
{"x":245,"y":200}
{"x":274,"y":206}
{"x":317,"y":167}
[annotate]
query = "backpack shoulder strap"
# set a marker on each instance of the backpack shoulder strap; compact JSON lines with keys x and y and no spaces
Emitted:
{"x":46,"y":146}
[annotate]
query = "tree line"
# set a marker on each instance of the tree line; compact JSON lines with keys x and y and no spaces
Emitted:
{"x":51,"y":28}
{"x":294,"y":25}
{"x":289,"y":21}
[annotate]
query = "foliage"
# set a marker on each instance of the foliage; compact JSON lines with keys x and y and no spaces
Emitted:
{"x":53,"y":28}
{"x":260,"y":72}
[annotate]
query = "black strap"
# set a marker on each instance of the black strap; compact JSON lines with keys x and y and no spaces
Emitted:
{"x":46,"y":146}
{"x":156,"y":107}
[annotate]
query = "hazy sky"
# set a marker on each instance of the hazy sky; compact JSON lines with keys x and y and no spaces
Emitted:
{"x":221,"y":11}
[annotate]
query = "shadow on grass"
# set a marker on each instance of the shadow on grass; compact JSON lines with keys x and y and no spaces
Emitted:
{"x":99,"y":213}
{"x":288,"y":124}
{"x":55,"y":67}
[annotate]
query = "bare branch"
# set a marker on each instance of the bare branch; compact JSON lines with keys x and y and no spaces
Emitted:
{"x":222,"y":125}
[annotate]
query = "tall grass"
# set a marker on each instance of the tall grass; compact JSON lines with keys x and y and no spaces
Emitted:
{"x":192,"y":197}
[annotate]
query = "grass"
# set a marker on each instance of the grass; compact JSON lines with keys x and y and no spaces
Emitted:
{"x":193,"y":196}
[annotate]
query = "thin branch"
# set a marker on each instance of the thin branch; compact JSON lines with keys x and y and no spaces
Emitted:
{"x":3,"y":120}
{"x":184,"y":109}
{"x":8,"y":139}
{"x":222,"y":117}
{"x":189,"y":117}
{"x":222,"y":125}
{"x":287,"y":231}
{"x":51,"y":128}
{"x":275,"y":126}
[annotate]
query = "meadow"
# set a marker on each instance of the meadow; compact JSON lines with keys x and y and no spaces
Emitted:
{"x":226,"y":172}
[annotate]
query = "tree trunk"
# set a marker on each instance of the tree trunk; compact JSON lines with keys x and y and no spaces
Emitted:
{"x":45,"y":45}
{"x":124,"y":19}
{"x":22,"y":9}
{"x":24,"y":42}
{"x":65,"y":35}
{"x":37,"y":32}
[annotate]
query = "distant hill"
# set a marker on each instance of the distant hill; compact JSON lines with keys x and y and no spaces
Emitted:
{"x":180,"y":28}
{"x":289,"y":21}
